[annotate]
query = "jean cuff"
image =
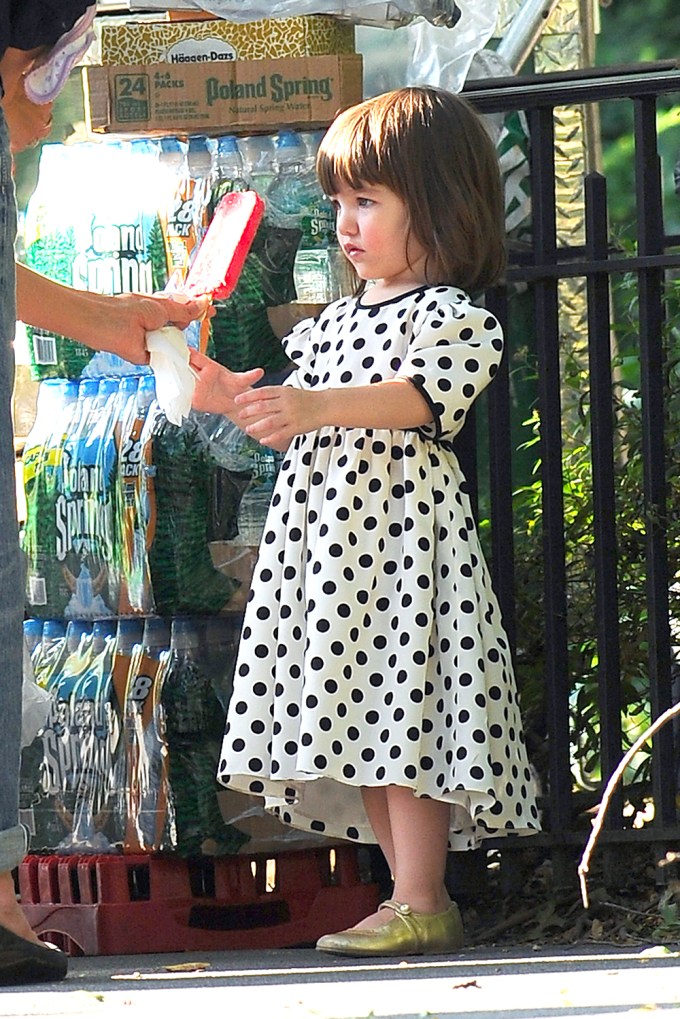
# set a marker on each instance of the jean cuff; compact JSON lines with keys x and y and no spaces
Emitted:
{"x":12,"y":847}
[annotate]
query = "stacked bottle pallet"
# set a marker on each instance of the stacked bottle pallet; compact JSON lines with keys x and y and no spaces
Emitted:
{"x":124,"y":905}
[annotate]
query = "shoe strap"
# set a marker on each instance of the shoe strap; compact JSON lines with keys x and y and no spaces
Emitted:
{"x":406,"y":916}
{"x":401,"y":909}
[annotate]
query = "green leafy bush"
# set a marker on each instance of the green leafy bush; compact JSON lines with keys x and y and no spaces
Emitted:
{"x":631,"y":526}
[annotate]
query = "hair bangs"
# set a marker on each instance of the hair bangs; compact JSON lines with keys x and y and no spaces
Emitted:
{"x":348,"y":153}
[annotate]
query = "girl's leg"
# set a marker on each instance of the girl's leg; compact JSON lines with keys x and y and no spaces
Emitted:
{"x":420,"y":832}
{"x":413,"y":834}
{"x":375,"y":804}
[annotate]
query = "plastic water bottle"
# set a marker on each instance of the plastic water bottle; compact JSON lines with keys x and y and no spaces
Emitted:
{"x":241,"y":331}
{"x":295,"y":199}
{"x":86,"y":777}
{"x":254,"y":505}
{"x":193,"y":727}
{"x":228,"y":173}
{"x":37,"y":805}
{"x":259,"y":160}
{"x":201,"y":170}
{"x":321,"y":248}
{"x":177,"y":215}
{"x":149,"y":822}
{"x":90,"y":457}
{"x":286,"y":194}
{"x":32,"y":633}
{"x":135,"y":501}
{"x":49,"y":405}
{"x":46,"y":590}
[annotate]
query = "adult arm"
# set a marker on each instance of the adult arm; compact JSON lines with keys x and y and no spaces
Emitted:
{"x":118,"y":324}
{"x":14,"y":63}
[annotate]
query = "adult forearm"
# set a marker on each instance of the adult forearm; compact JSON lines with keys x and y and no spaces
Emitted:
{"x":118,"y":324}
{"x":13,"y":65}
{"x":43,"y":303}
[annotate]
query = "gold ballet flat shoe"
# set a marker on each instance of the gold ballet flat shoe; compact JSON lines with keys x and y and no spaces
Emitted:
{"x":407,"y":933}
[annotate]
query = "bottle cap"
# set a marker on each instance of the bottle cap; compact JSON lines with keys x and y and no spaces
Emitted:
{"x":88,"y":387}
{"x":228,"y":144}
{"x":128,"y":633}
{"x":107,"y":387}
{"x":155,"y":637}
{"x":33,"y":629}
{"x":184,"y":635}
{"x":288,"y":140}
{"x":75,"y":630}
{"x":53,"y":629}
{"x":171,"y":145}
{"x":128,"y":384}
{"x":102,"y":629}
{"x":199,"y":156}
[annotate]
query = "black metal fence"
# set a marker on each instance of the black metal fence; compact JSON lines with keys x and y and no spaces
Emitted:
{"x":652,"y":260}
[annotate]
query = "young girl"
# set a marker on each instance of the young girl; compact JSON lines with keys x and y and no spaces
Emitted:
{"x":374,"y":698}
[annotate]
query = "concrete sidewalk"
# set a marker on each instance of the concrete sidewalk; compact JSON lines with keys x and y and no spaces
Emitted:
{"x":556,"y":983}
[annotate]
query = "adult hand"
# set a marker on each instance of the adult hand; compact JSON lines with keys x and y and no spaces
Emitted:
{"x":127,"y":318}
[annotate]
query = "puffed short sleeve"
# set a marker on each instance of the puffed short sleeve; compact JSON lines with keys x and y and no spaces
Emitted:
{"x":454,"y":353}
{"x":301,"y":349}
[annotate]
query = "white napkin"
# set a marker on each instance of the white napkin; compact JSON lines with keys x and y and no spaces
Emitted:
{"x":175,"y":380}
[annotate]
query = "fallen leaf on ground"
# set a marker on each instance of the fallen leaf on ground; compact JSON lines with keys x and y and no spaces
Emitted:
{"x":187,"y":967}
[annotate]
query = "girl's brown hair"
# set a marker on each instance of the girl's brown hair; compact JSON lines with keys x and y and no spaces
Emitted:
{"x":430,"y":148}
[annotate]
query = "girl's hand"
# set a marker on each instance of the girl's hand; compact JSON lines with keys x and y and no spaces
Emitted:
{"x":217,"y":387}
{"x":274,"y":415}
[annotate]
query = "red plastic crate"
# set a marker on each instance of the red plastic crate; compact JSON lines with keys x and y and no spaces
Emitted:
{"x":128,"y":905}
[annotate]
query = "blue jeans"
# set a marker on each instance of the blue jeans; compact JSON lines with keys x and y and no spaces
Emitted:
{"x":12,"y":835}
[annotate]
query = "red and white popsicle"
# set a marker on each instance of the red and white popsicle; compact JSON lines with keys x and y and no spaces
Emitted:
{"x":219,"y":261}
{"x":214,"y":273}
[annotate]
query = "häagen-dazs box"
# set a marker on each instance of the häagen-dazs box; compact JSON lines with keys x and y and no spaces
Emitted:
{"x":189,"y":42}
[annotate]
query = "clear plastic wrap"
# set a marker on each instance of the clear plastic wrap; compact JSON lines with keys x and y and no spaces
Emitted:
{"x":183,"y":577}
{"x":92,"y":222}
{"x":126,"y":759}
{"x":421,"y":53}
{"x":68,"y":788}
{"x":395,"y":12}
{"x":443,"y":58}
{"x":35,"y":702}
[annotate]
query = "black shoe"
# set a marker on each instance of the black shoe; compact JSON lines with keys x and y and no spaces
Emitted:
{"x":24,"y":962}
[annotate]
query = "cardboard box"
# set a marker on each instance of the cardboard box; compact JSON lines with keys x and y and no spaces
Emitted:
{"x":242,"y":96}
{"x":193,"y":15}
{"x":186,"y":42}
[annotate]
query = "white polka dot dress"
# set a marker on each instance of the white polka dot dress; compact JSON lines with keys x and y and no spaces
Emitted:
{"x":372,"y":651}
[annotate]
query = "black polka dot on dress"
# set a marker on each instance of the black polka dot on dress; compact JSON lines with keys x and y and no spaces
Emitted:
{"x":372,"y":650}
